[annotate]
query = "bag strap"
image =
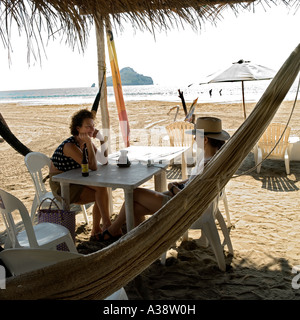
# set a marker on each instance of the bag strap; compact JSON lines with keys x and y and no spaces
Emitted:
{"x":51,"y":201}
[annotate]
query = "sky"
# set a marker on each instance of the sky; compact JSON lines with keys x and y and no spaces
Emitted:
{"x":178,"y":57}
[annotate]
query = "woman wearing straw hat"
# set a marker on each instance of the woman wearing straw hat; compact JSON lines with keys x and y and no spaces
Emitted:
{"x":147,"y":201}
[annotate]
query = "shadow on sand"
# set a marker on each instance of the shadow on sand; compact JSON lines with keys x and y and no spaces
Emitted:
{"x":194,"y":275}
{"x":191,"y":273}
{"x":272,"y":175}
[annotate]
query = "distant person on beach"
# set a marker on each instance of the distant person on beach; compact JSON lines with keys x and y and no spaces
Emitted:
{"x":210,"y":92}
{"x":147,"y":202}
{"x":220,"y":92}
{"x":68,"y":156}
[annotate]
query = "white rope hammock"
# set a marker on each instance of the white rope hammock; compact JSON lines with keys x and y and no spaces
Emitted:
{"x":97,"y":275}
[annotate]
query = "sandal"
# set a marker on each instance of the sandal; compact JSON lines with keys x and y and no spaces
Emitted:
{"x":96,"y":237}
{"x":110,"y":236}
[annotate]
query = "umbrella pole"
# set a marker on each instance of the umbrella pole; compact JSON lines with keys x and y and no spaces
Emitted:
{"x":244,"y":108}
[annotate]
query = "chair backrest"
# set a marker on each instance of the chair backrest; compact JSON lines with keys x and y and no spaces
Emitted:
{"x":271,"y":136}
{"x":8,"y":205}
{"x":35,"y":162}
{"x":177,"y":134}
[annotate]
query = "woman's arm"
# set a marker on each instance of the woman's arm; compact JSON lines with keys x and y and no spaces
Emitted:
{"x":91,"y":155}
{"x":72,"y":151}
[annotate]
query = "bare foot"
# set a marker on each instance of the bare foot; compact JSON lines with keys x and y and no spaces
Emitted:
{"x":106,"y":226}
{"x":96,"y":231}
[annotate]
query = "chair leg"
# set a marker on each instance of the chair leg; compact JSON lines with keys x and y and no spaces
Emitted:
{"x":212,"y":234}
{"x":226,"y":208}
{"x":34,"y":208}
{"x":224,"y":229}
{"x":259,"y":159}
{"x":70,"y":243}
{"x":287,"y":162}
{"x":86,"y":218}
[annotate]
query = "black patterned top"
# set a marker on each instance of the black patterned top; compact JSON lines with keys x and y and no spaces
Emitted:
{"x":62,"y":162}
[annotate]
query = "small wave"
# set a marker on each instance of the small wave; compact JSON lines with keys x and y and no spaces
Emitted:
{"x":221,"y":93}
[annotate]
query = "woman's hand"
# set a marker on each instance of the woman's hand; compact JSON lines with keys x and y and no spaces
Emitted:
{"x":173,"y":187}
{"x":172,"y":184}
{"x":85,"y":138}
{"x":102,"y":153}
{"x":95,"y":133}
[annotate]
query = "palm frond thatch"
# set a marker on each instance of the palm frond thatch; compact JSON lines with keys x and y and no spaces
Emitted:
{"x":73,"y":18}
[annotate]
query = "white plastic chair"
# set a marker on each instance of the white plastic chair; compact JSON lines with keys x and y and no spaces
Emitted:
{"x":118,"y":295}
{"x":223,"y":197}
{"x":35,"y":162}
{"x":177,"y":134}
{"x":179,"y":138}
{"x":20,"y":260}
{"x":210,"y":233}
{"x":267,"y":142}
{"x":42,"y":235}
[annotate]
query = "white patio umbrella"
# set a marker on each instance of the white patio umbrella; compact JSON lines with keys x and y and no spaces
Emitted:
{"x":242,"y":71}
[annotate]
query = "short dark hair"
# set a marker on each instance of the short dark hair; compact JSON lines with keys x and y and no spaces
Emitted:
{"x":216,"y":143}
{"x":77,"y":120}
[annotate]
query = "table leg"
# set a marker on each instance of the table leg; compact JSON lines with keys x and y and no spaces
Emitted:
{"x":129,"y":209}
{"x":160,"y":181}
{"x":65,"y":193}
{"x":183,"y":166}
{"x":110,"y":199}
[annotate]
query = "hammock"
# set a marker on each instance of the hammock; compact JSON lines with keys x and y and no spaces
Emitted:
{"x":97,"y":275}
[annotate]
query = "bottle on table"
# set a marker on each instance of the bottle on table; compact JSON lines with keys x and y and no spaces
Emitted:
{"x":84,"y":162}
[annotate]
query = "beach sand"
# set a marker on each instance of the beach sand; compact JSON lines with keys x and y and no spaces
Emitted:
{"x":264,"y":208}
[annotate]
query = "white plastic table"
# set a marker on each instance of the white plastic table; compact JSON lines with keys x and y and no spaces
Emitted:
{"x":155,"y":155}
{"x":127,"y":178}
{"x":111,"y":176}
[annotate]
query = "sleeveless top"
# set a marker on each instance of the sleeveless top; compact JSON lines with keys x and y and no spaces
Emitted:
{"x":62,"y":162}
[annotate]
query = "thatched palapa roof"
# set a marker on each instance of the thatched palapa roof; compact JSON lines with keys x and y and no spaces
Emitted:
{"x":73,"y":18}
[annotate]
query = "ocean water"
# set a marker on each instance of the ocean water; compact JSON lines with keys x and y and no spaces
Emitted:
{"x":230,"y":92}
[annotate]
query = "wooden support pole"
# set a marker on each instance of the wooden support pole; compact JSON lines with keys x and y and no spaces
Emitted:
{"x":105,"y":120}
{"x":103,"y":97}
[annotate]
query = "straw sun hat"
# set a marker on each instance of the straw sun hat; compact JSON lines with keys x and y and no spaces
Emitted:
{"x":212,"y":128}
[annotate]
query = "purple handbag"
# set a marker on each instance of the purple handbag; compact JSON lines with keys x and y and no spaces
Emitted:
{"x":56,"y":215}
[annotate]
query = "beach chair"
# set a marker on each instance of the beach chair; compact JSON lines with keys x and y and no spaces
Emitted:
{"x":177,"y":134}
{"x":42,"y":235}
{"x":20,"y":260}
{"x":223,"y":197}
{"x":210,"y":234}
{"x":268,"y":140}
{"x":179,"y":138}
{"x":35,"y":162}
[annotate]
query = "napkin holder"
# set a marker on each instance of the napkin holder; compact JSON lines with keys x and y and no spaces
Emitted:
{"x":123,"y":161}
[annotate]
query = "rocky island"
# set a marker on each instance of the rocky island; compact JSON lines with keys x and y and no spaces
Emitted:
{"x":129,"y":77}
